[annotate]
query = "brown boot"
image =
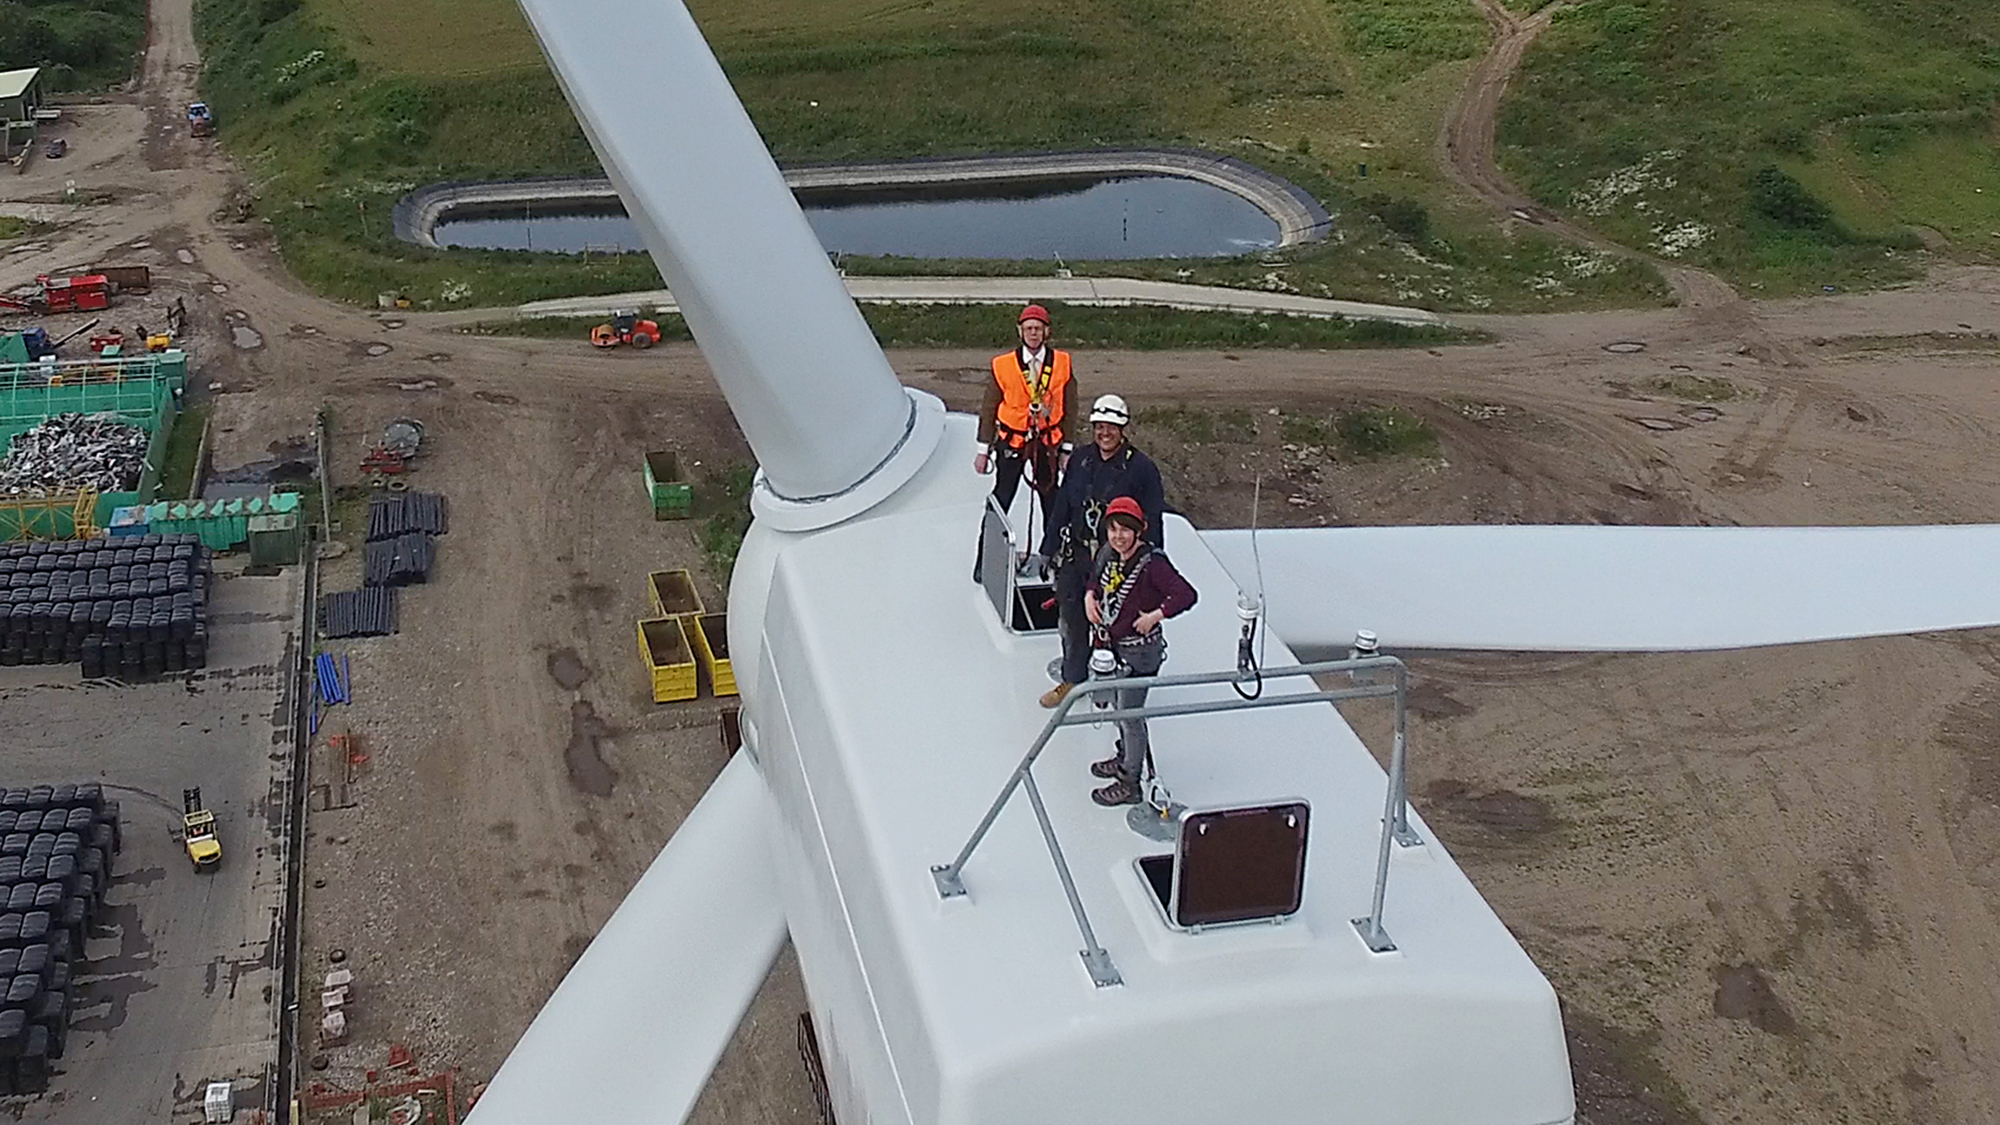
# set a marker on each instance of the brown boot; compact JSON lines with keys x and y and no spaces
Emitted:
{"x":1121,"y":791}
{"x":1053,"y":697}
{"x":1111,"y":767}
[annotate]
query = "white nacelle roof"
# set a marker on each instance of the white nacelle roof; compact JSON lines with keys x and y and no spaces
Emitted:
{"x":987,"y":1011}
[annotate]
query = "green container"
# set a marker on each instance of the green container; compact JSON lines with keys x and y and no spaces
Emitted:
{"x":671,"y":493}
{"x":276,"y":539}
{"x":140,"y":391}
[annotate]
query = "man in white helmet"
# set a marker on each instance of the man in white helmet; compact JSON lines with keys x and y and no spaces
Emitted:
{"x":1097,"y":474}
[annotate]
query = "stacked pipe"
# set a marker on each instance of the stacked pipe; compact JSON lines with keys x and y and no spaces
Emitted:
{"x":399,"y":513}
{"x":57,"y":849}
{"x":131,"y":608}
{"x":401,"y":561}
{"x":334,"y":682}
{"x":332,"y":679}
{"x":367,"y":612}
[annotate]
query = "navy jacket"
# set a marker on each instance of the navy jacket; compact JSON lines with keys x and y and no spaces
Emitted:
{"x":1089,"y":483}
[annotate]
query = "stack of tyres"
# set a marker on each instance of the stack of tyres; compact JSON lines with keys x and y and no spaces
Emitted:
{"x":57,"y":848}
{"x":130,"y":608}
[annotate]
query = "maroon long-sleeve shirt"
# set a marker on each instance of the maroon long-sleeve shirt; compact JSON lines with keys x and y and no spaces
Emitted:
{"x":1159,"y":586}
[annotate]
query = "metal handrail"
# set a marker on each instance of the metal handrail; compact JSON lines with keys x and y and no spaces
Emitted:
{"x":949,"y":877}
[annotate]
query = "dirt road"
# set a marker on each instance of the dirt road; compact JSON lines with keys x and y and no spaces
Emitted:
{"x":1466,"y":153}
{"x":1765,"y":884}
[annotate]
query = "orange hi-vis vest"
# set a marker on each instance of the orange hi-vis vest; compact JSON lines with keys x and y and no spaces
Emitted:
{"x":1030,"y":405}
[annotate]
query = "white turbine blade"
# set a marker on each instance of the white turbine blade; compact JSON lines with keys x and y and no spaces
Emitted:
{"x":803,"y":374}
{"x":634,"y":1029}
{"x":1616,"y":589}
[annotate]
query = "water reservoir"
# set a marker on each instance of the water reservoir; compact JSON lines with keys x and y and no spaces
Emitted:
{"x":1144,"y":216}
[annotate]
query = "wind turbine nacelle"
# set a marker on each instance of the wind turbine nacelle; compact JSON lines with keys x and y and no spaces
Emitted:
{"x":885,"y":704}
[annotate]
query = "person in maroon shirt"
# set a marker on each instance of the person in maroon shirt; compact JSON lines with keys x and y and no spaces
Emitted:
{"x":1133,"y":588}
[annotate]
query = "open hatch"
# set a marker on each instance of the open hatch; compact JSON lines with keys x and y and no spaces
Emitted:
{"x":1232,"y":866}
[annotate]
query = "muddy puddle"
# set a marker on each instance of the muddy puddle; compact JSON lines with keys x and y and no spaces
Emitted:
{"x":567,"y":669}
{"x":288,"y":464}
{"x":588,"y":771}
{"x":1744,"y":992}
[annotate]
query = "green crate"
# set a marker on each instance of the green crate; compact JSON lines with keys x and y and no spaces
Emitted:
{"x":672,"y":494}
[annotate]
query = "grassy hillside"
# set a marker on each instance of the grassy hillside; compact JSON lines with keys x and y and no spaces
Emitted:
{"x":81,"y":44}
{"x":1788,"y":144}
{"x":338,"y":106}
{"x":1084,"y":326}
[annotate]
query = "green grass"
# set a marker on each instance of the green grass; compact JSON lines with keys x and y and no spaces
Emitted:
{"x":183,"y":446}
{"x":1653,"y":119}
{"x":79,"y":44}
{"x":11,"y":227}
{"x":1364,"y":433}
{"x":722,"y":500}
{"x":1201,"y":427}
{"x":337,"y":107}
{"x":1139,"y":328}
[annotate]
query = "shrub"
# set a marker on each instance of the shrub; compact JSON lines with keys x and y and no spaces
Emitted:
{"x":1775,"y":195}
{"x":1405,"y":217}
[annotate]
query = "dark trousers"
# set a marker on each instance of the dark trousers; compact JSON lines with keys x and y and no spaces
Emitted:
{"x":1008,"y":465}
{"x":1134,"y":741}
{"x":1075,"y":626}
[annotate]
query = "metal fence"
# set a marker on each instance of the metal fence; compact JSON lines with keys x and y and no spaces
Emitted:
{"x":142,"y":390}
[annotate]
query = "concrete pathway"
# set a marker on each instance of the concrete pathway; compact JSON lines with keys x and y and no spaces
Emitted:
{"x":1101,"y":291}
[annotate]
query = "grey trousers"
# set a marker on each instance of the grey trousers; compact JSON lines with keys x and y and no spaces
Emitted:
{"x":1137,"y":660}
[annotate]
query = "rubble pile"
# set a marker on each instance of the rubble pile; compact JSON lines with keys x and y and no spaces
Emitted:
{"x":72,"y":451}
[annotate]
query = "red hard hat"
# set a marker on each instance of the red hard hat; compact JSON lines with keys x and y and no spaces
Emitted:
{"x":1126,"y":506}
{"x":1033,"y":312}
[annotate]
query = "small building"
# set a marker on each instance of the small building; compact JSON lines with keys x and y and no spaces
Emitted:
{"x":20,"y":99}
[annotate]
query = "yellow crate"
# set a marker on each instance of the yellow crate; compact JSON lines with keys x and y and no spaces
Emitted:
{"x":710,"y":634}
{"x":663,"y":643}
{"x":672,"y":593}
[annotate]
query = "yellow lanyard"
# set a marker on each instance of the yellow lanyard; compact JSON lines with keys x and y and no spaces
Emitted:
{"x":1037,"y":378}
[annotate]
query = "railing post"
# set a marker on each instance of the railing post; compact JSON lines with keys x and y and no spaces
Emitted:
{"x":949,"y":878}
{"x":1399,"y":765}
{"x":1371,"y":929}
{"x":1096,"y":959}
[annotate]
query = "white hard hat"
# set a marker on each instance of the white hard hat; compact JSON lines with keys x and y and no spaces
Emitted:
{"x":1110,"y":408}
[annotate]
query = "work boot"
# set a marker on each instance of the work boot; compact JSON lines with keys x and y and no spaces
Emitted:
{"x":1110,"y":767}
{"x":1122,"y":791}
{"x":1053,"y":697}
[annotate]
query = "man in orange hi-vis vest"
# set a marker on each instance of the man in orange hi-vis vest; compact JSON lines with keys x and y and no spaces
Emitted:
{"x":1025,"y":422}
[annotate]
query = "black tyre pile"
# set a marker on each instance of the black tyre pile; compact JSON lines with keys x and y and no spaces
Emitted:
{"x":131,"y":608}
{"x":57,"y":847}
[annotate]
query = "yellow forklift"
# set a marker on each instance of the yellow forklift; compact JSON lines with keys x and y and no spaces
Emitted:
{"x":198,"y":832}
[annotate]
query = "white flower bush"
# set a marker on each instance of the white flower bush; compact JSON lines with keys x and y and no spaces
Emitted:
{"x":1673,"y":241}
